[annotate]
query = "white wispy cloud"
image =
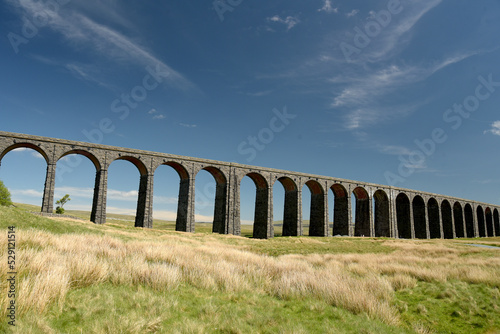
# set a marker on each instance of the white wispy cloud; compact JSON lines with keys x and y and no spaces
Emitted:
{"x":495,"y":128}
{"x":362,"y":94}
{"x":113,"y":194}
{"x":159,"y":116}
{"x":289,"y":21}
{"x":261,"y":93}
{"x":328,"y":8}
{"x":82,"y":32}
{"x":152,"y":111}
{"x":26,"y":192}
{"x":33,"y":153}
{"x":352,"y":13}
{"x":395,"y":36}
{"x":188,"y":125}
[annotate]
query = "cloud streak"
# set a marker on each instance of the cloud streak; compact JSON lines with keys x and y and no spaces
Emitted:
{"x":328,"y":8}
{"x":363,"y":94}
{"x":289,"y":21}
{"x":81,"y":32}
{"x":495,"y":129}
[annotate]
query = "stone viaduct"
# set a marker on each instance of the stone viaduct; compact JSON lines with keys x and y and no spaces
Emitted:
{"x":380,"y":211}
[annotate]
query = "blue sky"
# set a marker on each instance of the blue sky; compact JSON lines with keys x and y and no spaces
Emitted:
{"x":405,"y":93}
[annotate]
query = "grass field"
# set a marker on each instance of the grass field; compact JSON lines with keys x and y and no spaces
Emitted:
{"x":77,"y":277}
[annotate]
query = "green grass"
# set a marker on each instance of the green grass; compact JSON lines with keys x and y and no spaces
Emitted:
{"x":428,"y":307}
{"x":120,"y":309}
{"x":452,"y":307}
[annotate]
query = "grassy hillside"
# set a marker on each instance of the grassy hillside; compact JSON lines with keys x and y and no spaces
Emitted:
{"x":74,"y":276}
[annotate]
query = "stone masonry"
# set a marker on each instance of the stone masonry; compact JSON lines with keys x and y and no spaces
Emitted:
{"x":380,"y":211}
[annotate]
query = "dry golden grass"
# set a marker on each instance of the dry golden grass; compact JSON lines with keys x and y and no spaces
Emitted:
{"x":49,"y":265}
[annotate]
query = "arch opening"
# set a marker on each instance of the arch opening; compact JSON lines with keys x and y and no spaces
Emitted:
{"x":496,"y":222}
{"x":210,"y":202}
{"x":434,"y":219}
{"x":18,"y":146}
{"x":83,"y":153}
{"x":362,"y":213}
{"x":489,"y":222}
{"x":447,"y":215}
{"x":136,"y":162}
{"x":459,"y":220}
{"x":340,"y":210}
{"x":381,"y":214}
{"x":262,"y":216}
{"x":122,"y":196}
{"x":77,"y":176}
{"x":317,"y":219}
{"x":23,"y":171}
{"x":403,"y":216}
{"x":170,"y":197}
{"x":292,"y":226}
{"x":469,"y":221}
{"x":419,"y":219}
{"x":480,"y":221}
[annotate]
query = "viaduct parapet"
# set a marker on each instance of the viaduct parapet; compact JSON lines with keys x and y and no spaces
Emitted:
{"x":380,"y":211}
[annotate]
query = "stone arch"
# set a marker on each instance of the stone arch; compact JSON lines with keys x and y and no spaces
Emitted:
{"x":179,"y":168}
{"x":340,"y":210}
{"x":141,"y":167}
{"x":143,"y":216}
{"x":98,"y":214}
{"x":403,"y":216}
{"x":447,"y":217}
{"x":262,"y":226}
{"x":458,"y":216}
{"x":480,"y":221}
{"x":381,"y":214}
{"x":362,"y":215}
{"x":87,"y":154}
{"x":489,"y":222}
{"x":219,"y":224}
{"x":184,"y":220}
{"x":434,"y":218}
{"x":419,"y":219}
{"x":469,"y":221}
{"x":317,"y":214}
{"x":46,"y":170}
{"x":25,"y":145}
{"x":291,"y":224}
{"x":496,"y":222}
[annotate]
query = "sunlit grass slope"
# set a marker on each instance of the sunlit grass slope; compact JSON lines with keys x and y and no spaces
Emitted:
{"x":74,"y":276}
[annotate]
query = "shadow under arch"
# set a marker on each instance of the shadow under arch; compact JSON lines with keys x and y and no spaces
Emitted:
{"x":340,"y":210}
{"x":480,"y":221}
{"x":469,"y":220}
{"x":434,"y":218}
{"x":447,"y":218}
{"x":403,"y":216}
{"x":458,"y":216}
{"x":292,"y":226}
{"x":489,"y":222}
{"x":262,"y":225}
{"x":419,"y":219}
{"x":381,"y":214}
{"x":317,"y":221}
{"x":496,"y":222}
{"x":362,"y":215}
